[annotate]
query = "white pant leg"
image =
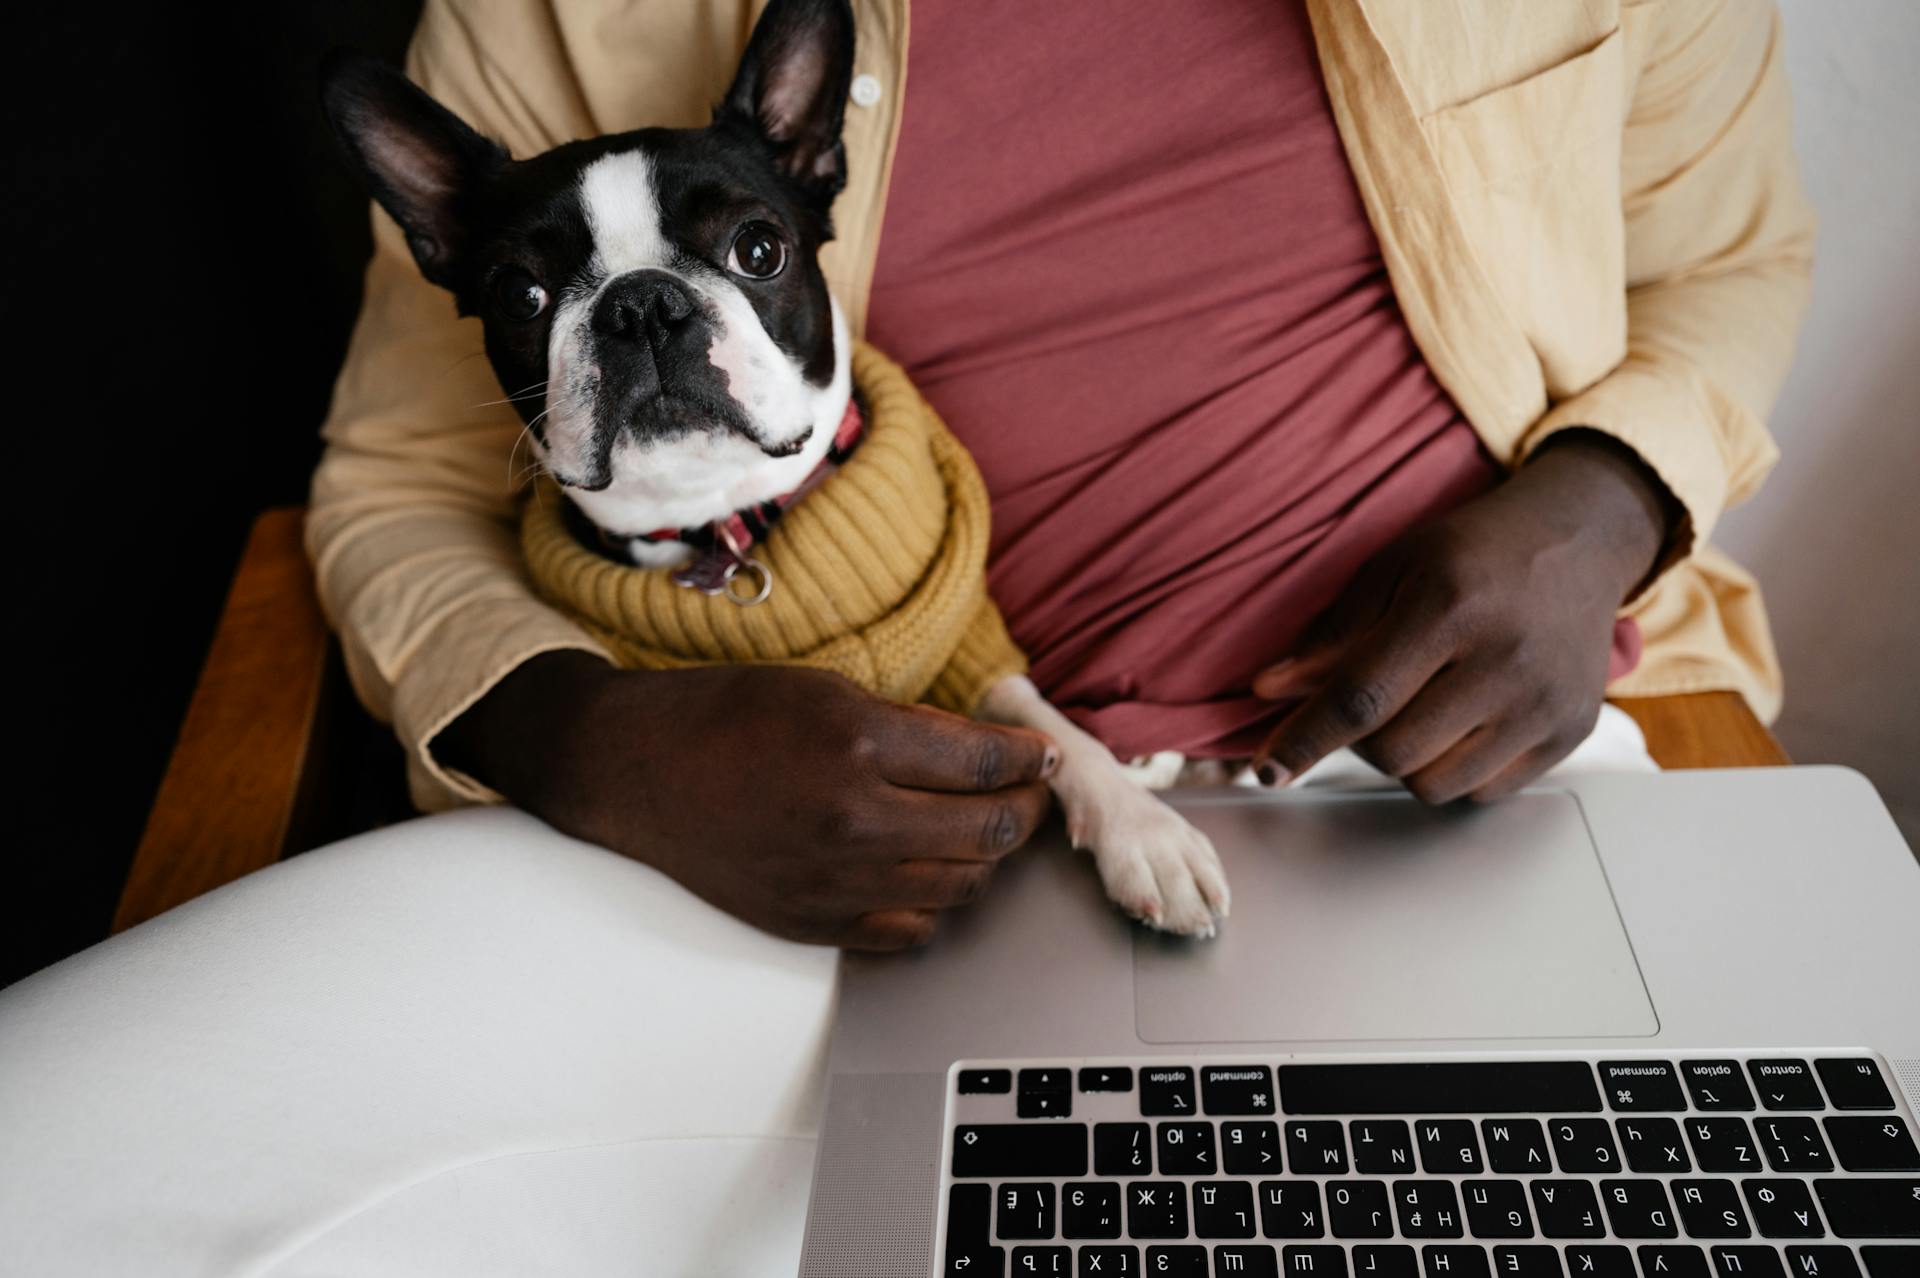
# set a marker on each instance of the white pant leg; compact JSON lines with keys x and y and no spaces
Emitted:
{"x":463,"y":1045}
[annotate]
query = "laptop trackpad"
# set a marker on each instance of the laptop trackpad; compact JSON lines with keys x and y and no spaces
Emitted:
{"x":1374,"y":917}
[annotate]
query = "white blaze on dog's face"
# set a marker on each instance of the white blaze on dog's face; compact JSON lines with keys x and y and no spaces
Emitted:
{"x":670,"y":401}
{"x":652,"y":300}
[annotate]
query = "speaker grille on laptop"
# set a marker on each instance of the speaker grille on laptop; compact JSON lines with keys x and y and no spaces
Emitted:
{"x":877,"y":1179}
{"x":1909,"y":1072}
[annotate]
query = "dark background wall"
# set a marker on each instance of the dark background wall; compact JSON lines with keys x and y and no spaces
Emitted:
{"x":182,"y":266}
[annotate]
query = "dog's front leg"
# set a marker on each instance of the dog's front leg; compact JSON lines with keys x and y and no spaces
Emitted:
{"x":1154,"y":864}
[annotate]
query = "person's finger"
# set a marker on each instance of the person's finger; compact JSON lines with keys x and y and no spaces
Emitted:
{"x":1358,"y":608}
{"x":1380,"y":674}
{"x":1296,"y":675}
{"x":970,"y":827}
{"x":1526,"y":769}
{"x":1474,"y":760}
{"x":926,"y":749}
{"x":1454,"y":702}
{"x":938,"y":885}
{"x":890,"y":930}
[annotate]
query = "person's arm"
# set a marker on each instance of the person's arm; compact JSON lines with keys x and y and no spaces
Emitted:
{"x":1471,"y":656}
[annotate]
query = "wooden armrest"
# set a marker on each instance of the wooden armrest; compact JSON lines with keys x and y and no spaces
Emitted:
{"x":233,"y":789}
{"x":1704,"y":730}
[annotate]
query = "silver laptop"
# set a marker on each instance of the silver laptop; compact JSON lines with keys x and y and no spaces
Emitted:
{"x":1633,"y":1025}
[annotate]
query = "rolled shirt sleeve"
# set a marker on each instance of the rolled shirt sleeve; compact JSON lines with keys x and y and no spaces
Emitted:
{"x":1719,"y":243}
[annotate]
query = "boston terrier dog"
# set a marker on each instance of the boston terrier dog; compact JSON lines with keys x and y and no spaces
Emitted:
{"x":662,"y":286}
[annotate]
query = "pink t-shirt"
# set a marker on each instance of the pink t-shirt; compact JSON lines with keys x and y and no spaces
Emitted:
{"x":1125,"y":258}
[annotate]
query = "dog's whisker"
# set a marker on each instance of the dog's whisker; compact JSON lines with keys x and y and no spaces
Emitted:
{"x":526,"y":393}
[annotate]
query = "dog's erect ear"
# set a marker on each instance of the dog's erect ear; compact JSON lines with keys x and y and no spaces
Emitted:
{"x":792,"y":87}
{"x":420,"y":159}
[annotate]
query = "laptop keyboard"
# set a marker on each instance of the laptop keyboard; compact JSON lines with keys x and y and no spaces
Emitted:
{"x":1705,"y":1166}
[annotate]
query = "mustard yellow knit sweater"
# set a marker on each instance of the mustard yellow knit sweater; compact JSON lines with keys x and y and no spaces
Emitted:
{"x":879,"y":573}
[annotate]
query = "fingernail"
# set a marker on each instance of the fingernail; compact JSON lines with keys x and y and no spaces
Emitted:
{"x":1050,"y":763}
{"x":1270,"y":773}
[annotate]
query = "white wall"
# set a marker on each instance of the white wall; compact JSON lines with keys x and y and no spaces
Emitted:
{"x":1835,"y":534}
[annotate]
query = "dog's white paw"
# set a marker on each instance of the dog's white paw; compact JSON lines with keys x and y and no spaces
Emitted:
{"x":1155,"y":865}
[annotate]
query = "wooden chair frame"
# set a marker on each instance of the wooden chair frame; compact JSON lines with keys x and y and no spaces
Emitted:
{"x":275,"y":757}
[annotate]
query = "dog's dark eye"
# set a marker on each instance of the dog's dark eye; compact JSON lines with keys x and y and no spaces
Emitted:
{"x":518,"y":295}
{"x":758,"y":252}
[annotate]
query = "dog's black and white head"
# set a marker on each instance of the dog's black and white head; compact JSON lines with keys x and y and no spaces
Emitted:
{"x":653,"y":300}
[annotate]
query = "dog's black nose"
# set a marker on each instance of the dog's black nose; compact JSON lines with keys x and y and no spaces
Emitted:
{"x":643,"y":306}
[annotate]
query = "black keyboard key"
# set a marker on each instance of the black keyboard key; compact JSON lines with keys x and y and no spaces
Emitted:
{"x":1566,"y":1209}
{"x":1043,"y":1104}
{"x":1854,"y":1083}
{"x":1782,"y":1208}
{"x":1359,"y":1209}
{"x":1166,"y":1091}
{"x":1785,"y":1084}
{"x":1156,"y":1209}
{"x":1109,"y":1262}
{"x":1673,"y":1262}
{"x":1303,"y":1262}
{"x":1391,"y":1261}
{"x":969,"y":1216}
{"x":1723,"y":1145}
{"x":1710,"y":1209}
{"x":1427,"y":1209}
{"x":1043,"y":1262}
{"x":1638,"y":1209}
{"x":1538,"y":1261}
{"x":1891,"y":1262}
{"x":1223,"y":1209}
{"x":1382,"y":1145}
{"x":983,"y":1262}
{"x":1599,"y":1262}
{"x":1024,"y":1211}
{"x":1045,"y":1093}
{"x":1316,"y":1149}
{"x":1792,"y":1144}
{"x":1186,"y":1149}
{"x":1291,"y":1209}
{"x":1090,"y":1209}
{"x":1716,"y":1085}
{"x":1880,"y":1143}
{"x":1250,"y":1149}
{"x":1878,"y":1208}
{"x":1258,"y":1261}
{"x":1447,"y":1147}
{"x":1122,"y":1149}
{"x":1640,"y":1087}
{"x":1822,"y":1262}
{"x":1020,"y":1149}
{"x":975,"y":1082}
{"x":1515,"y":1145}
{"x":1497,"y":1209}
{"x":1106,"y":1078}
{"x":1584,"y":1145}
{"x":1454,"y":1262}
{"x":970,"y":1232}
{"x":1753,"y":1262}
{"x":1653,"y":1145}
{"x":1441,"y":1087}
{"x":1177,"y":1262}
{"x":1237,"y":1089}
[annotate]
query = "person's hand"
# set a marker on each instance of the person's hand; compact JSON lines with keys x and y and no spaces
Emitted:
{"x":1471,"y":655}
{"x":787,"y":797}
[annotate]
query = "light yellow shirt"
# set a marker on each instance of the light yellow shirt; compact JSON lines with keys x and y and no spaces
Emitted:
{"x":1590,"y":212}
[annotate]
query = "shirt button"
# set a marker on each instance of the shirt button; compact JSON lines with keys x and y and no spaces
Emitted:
{"x":866,"y":90}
